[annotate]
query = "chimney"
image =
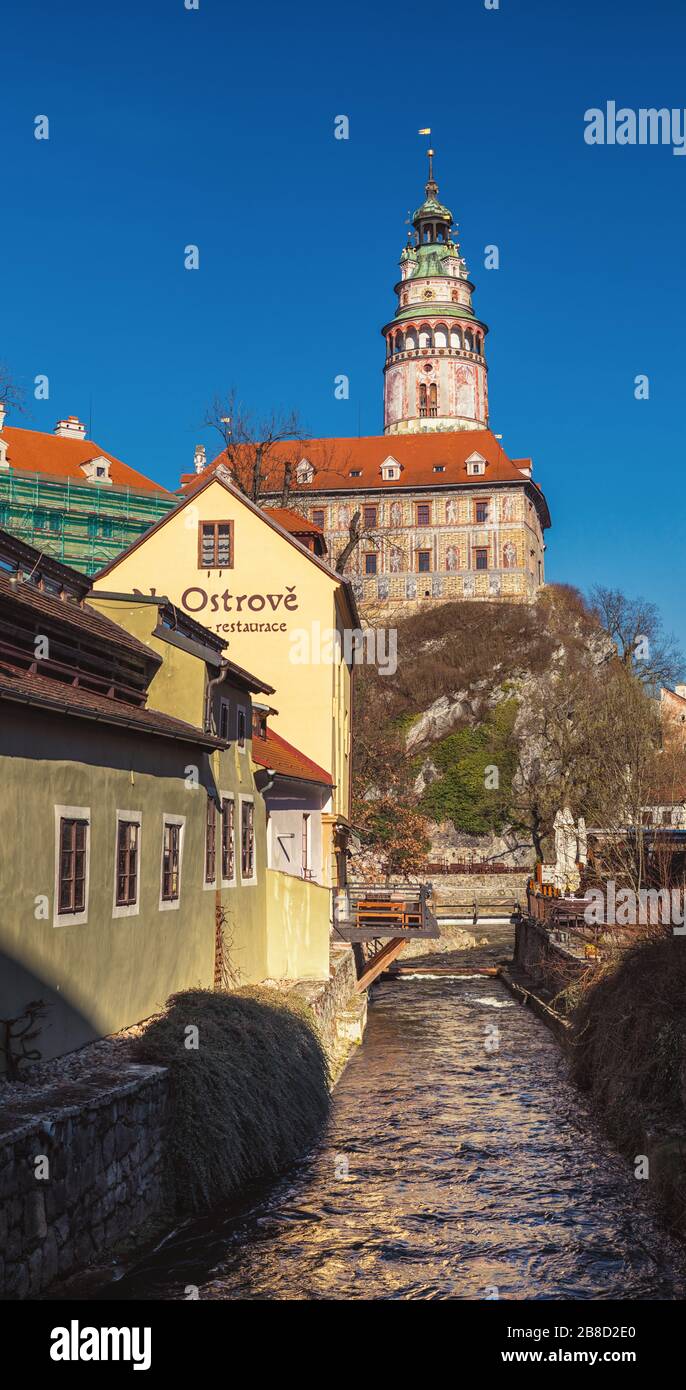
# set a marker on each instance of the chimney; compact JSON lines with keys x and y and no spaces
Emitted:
{"x":199,"y":458}
{"x":71,"y":428}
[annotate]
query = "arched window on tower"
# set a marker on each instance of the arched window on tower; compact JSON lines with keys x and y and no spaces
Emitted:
{"x":468,"y":341}
{"x":433,"y":400}
{"x":455,"y":338}
{"x":425,"y":336}
{"x":422,"y":400}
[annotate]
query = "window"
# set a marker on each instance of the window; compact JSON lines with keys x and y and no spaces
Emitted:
{"x":481,"y":558}
{"x":99,"y":526}
{"x":423,"y":514}
{"x":481,"y":511}
{"x":439,"y":468}
{"x":228,"y":851}
{"x":224,"y":719}
{"x":370,"y":563}
{"x":355,"y":473}
{"x":128,"y":842}
{"x":307,"y":868}
{"x":433,"y":399}
{"x":424,"y":561}
{"x":247,"y":840}
{"x":370,"y":515}
{"x":304,"y":472}
{"x":211,"y":841}
{"x":319,"y":517}
{"x":215,"y":545}
{"x":45,"y":520}
{"x":422,"y":400}
{"x":259,"y":724}
{"x":241,"y":727}
{"x":172,"y":842}
{"x":72,"y":865}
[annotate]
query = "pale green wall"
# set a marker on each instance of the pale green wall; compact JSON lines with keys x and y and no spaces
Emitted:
{"x":109,"y":972}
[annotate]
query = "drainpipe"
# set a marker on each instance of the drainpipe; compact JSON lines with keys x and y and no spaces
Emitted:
{"x":216,"y":680}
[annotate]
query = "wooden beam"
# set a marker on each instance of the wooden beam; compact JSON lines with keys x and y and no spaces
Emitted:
{"x":380,"y":962}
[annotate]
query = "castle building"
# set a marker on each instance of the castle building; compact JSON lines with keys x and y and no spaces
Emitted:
{"x":439,"y":510}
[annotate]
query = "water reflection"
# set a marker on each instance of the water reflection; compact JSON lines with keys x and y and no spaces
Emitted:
{"x":448,"y":1171}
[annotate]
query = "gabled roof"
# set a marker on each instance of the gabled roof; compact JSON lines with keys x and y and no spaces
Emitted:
{"x":419,"y":455}
{"x":32,"y":451}
{"x":276,"y":753}
{"x":204,"y":480}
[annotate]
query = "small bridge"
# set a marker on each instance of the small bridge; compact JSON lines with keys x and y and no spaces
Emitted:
{"x":379,"y":921}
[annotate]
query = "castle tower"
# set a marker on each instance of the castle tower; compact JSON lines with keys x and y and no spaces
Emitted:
{"x":435,"y":376}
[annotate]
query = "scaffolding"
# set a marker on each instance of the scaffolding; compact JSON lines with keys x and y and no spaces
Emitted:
{"x":85,"y":525}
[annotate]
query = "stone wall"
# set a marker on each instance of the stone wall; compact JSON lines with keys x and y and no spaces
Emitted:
{"x":546,"y":963}
{"x":82,"y":1150}
{"x":487,"y":889}
{"x":79,"y":1178}
{"x":340,"y":1012}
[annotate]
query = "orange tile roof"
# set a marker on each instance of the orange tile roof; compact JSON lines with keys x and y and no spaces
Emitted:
{"x":293,"y":521}
{"x":418,"y":455}
{"x":32,"y":451}
{"x":274,"y":752}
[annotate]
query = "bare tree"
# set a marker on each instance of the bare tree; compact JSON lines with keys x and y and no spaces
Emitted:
{"x":261,"y":454}
{"x":635,"y":627}
{"x":11,"y":395}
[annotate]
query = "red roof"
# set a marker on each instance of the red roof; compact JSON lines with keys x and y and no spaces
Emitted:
{"x":293,"y":521}
{"x":419,"y":455}
{"x":274,"y":752}
{"x":35,"y":452}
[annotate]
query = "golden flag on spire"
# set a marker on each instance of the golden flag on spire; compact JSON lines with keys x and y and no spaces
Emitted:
{"x":426,"y":131}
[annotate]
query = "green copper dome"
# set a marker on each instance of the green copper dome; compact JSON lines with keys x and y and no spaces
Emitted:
{"x":432,"y":208}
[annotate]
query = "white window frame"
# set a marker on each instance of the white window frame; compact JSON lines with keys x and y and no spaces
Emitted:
{"x":242,"y":709}
{"x":247,"y":882}
{"x":168,"y":818}
{"x":131,"y":909}
{"x":73,"y":919}
{"x":227,"y":882}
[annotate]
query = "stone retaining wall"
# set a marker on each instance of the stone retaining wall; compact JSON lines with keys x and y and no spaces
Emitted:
{"x":82,"y":1161}
{"x":462,"y":889}
{"x":80,"y":1178}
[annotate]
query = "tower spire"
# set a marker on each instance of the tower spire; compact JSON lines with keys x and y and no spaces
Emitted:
{"x":435,"y":372}
{"x":432,"y":186}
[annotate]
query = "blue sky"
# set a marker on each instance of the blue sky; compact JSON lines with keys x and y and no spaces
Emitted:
{"x":215,"y":127}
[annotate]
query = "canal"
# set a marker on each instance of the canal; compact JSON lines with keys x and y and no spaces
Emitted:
{"x":458,"y":1163}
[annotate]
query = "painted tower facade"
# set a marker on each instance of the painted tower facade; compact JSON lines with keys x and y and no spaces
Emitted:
{"x":435,"y":375}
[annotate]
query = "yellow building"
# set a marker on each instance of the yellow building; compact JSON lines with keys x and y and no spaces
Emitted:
{"x":280,"y":608}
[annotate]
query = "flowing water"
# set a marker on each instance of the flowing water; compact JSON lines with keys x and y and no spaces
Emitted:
{"x":459,"y":1163}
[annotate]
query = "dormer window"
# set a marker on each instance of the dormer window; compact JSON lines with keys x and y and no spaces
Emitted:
{"x":439,"y":468}
{"x":390,"y":470}
{"x":97,"y":470}
{"x":476,"y":465}
{"x":304,"y":472}
{"x":355,"y":473}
